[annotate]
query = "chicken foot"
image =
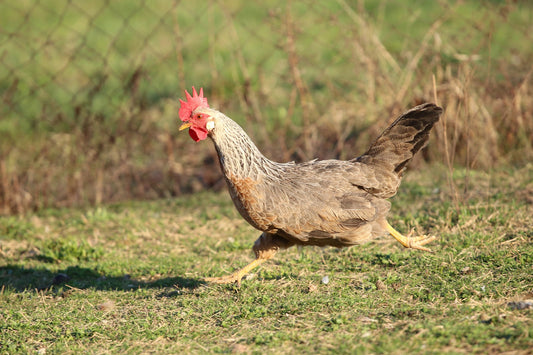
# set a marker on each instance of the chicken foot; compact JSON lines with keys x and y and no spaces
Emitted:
{"x":408,"y":241}
{"x":237,"y":275}
{"x":264,"y":248}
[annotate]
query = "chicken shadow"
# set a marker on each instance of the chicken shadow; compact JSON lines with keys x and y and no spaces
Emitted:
{"x":20,"y":278}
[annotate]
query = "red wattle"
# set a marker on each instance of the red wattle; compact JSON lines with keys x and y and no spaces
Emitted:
{"x":197,"y":134}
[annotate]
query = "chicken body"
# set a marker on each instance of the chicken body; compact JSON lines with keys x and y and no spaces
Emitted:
{"x":320,"y":202}
{"x":313,"y":203}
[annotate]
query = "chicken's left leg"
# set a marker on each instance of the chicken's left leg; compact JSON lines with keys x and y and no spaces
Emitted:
{"x":408,"y":241}
{"x":264,"y":248}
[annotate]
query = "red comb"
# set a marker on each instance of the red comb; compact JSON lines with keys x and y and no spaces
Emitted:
{"x":192,"y":103}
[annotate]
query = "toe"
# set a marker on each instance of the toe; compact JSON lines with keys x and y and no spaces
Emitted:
{"x":223,"y":280}
{"x":418,"y":242}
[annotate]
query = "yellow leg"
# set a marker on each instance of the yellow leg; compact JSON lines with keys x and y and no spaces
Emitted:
{"x":264,"y":248}
{"x":410,"y":242}
{"x":237,"y":275}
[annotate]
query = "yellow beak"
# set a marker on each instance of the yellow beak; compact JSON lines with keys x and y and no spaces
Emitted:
{"x":185,"y":126}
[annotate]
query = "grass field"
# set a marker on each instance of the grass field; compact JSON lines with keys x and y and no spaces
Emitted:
{"x":127,"y":278}
{"x":104,"y":242}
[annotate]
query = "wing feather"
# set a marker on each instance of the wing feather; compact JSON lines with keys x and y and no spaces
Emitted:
{"x":324,"y":203}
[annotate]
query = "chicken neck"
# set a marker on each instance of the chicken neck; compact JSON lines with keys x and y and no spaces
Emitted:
{"x":238,"y":155}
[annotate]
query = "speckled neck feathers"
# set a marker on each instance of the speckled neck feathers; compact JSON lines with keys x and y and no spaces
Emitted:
{"x":237,"y":154}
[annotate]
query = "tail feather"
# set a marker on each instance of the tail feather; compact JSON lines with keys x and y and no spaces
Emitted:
{"x":397,"y":145}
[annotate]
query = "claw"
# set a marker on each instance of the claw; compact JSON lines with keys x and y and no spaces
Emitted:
{"x":230,"y":279}
{"x":237,"y":276}
{"x":409,"y":241}
{"x":418,"y":242}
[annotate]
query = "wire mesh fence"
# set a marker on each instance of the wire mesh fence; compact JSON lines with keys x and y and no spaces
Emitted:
{"x":89,"y":89}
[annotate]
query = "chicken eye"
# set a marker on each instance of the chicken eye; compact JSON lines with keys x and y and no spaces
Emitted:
{"x":199,"y":116}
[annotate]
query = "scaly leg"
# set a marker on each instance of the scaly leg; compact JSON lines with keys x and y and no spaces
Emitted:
{"x":410,"y":242}
{"x":237,"y":275}
{"x":264,"y":248}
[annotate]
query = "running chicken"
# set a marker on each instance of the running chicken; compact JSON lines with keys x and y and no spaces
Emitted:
{"x":320,"y":202}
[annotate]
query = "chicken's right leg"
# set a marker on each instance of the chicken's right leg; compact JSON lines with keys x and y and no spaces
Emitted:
{"x":264,"y":248}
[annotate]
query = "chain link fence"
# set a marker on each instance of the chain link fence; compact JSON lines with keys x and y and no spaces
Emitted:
{"x":89,"y":89}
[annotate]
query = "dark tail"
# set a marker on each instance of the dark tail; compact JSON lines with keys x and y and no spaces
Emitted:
{"x":397,"y":145}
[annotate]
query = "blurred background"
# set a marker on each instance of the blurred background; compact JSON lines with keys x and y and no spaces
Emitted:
{"x":89,"y":89}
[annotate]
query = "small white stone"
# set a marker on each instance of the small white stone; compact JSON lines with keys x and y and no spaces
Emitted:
{"x":325,"y":280}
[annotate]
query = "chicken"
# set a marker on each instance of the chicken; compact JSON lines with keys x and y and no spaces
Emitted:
{"x":320,"y":202}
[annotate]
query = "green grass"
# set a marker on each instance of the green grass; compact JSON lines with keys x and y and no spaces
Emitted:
{"x":127,"y":278}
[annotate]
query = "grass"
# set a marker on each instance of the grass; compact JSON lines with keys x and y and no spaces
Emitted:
{"x":88,"y":117}
{"x":127,"y":278}
{"x":89,"y":90}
